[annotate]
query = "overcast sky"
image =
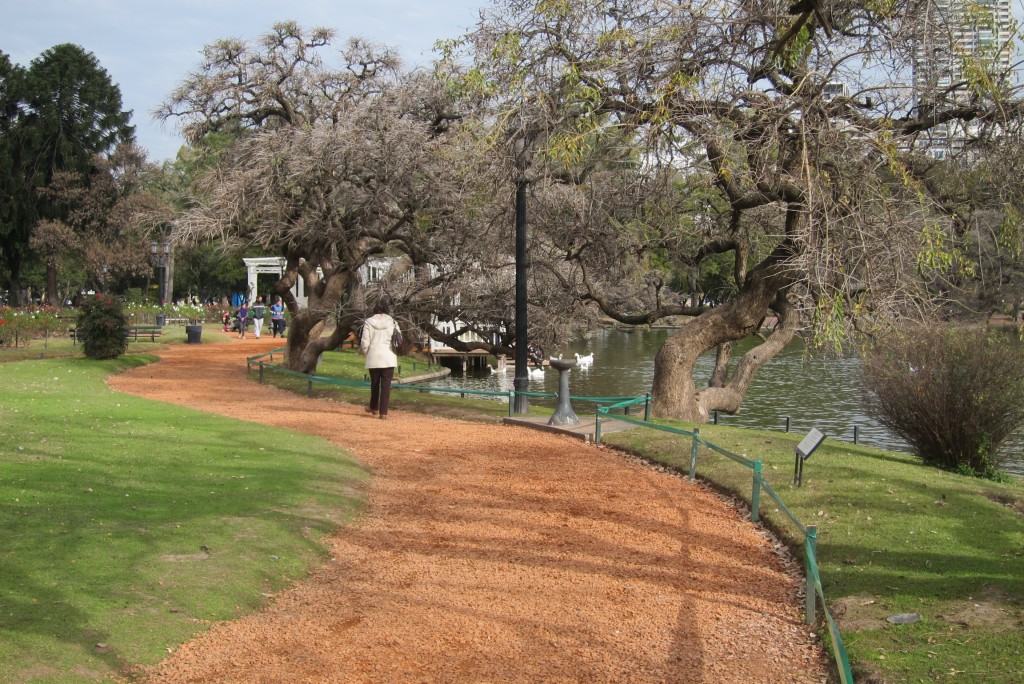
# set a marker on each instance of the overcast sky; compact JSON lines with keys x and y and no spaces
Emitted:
{"x":148,"y":47}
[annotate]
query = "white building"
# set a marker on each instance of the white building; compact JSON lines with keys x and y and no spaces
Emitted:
{"x":957,"y":36}
{"x":254,"y":266}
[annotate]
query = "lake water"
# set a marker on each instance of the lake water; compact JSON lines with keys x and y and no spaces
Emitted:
{"x":812,"y":390}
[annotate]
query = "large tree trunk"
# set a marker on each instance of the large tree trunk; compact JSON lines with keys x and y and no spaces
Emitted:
{"x":675,"y":394}
{"x":305,"y":343}
{"x":14,"y":294}
{"x":52,"y":295}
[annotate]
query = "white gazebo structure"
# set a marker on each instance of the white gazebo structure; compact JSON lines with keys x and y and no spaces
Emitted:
{"x":275,"y":266}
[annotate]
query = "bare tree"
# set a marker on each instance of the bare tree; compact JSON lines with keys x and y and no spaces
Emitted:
{"x":332,"y":166}
{"x":824,"y":197}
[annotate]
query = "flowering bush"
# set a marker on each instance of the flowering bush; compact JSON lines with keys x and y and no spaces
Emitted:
{"x":103,"y":327}
{"x":21,"y":326}
{"x":147,"y":313}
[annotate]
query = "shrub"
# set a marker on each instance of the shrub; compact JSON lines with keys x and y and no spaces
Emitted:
{"x":953,"y":394}
{"x":103,"y":327}
{"x":7,"y":328}
{"x":134,"y":295}
{"x":21,"y":326}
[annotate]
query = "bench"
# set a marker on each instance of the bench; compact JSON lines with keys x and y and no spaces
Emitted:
{"x":176,"y":321}
{"x":151,"y":331}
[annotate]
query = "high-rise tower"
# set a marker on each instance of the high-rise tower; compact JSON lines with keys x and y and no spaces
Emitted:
{"x":963,"y":48}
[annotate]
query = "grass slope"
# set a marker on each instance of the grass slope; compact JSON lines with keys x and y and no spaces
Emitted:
{"x":129,"y":525}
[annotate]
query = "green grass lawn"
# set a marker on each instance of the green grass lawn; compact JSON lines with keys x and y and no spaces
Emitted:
{"x":65,"y":347}
{"x":129,"y":524}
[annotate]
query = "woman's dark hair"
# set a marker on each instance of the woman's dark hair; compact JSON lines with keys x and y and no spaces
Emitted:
{"x":382,"y":306}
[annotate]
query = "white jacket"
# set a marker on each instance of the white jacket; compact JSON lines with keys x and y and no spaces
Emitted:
{"x":375,"y":341}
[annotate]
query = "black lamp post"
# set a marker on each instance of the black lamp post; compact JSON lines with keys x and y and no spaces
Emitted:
{"x":160,"y":257}
{"x":521,"y":381}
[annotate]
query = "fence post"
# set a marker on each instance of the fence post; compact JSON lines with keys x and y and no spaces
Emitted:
{"x":597,"y":427}
{"x":261,"y":372}
{"x":647,"y":408}
{"x":755,"y":498}
{"x":511,"y":402}
{"x":693,"y":452}
{"x":810,"y":551}
{"x":855,"y":435}
{"x":787,"y":423}
{"x":309,"y":386}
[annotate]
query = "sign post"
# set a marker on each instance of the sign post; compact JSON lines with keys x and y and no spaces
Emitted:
{"x":811,"y":441}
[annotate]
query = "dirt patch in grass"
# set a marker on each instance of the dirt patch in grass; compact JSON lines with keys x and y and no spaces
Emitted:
{"x":859,"y":613}
{"x":1016,"y":504}
{"x":981,"y":614}
{"x":992,"y":609}
{"x":496,"y":553}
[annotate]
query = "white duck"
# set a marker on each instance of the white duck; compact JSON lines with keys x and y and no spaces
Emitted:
{"x":537,"y":372}
{"x":585,"y":361}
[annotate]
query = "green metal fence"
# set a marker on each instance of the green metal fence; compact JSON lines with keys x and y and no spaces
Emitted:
{"x":604,"y":411}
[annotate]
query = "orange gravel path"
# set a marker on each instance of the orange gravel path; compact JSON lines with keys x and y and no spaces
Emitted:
{"x":495,"y":554}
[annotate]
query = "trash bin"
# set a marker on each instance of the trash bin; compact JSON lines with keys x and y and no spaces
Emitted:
{"x":194,"y":333}
{"x":161,"y":320}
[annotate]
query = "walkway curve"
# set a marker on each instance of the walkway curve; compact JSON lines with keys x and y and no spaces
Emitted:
{"x":495,"y":554}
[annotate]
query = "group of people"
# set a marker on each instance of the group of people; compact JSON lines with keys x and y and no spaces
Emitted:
{"x":256,"y":314}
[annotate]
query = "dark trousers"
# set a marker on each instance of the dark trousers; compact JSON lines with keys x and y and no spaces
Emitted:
{"x":380,"y":389}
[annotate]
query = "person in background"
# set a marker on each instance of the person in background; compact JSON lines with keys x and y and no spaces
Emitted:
{"x":375,"y":344}
{"x":243,"y":319}
{"x":257,"y":313}
{"x":277,"y":318}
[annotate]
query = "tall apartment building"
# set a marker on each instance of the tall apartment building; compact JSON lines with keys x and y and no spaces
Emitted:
{"x":956,"y":38}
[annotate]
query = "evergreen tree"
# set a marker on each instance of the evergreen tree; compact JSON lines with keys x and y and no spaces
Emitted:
{"x":65,"y":110}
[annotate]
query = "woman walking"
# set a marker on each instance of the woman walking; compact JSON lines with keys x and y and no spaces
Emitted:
{"x":375,"y":343}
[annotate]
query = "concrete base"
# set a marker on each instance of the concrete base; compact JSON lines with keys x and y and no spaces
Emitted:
{"x":582,"y":430}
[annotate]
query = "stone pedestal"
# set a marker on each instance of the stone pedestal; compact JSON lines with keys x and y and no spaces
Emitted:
{"x":563,"y":415}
